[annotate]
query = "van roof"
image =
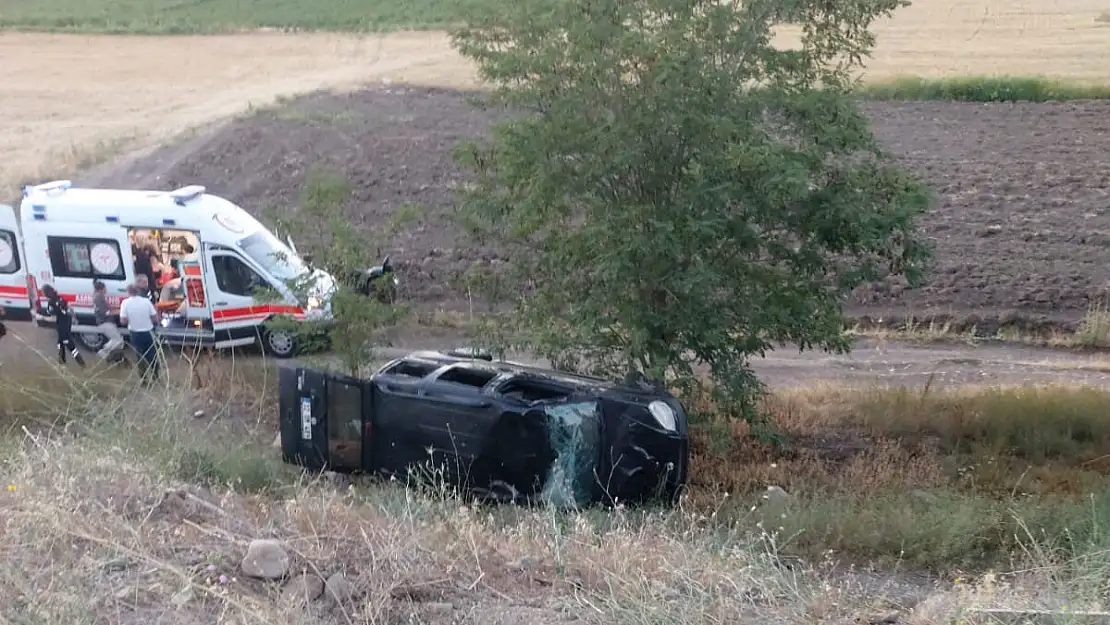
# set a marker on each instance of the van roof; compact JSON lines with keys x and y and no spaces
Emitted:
{"x":63,"y":201}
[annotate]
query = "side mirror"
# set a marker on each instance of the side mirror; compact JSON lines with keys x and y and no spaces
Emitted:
{"x":307,"y":258}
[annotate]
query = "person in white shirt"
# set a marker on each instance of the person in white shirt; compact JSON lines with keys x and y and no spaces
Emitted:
{"x":139,"y":316}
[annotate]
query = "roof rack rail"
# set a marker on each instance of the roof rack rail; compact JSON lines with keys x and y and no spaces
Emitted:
{"x":184,"y":194}
{"x":46,"y":187}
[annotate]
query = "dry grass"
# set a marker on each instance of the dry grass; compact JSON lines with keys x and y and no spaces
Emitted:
{"x":102,"y":524}
{"x":1091,"y":333}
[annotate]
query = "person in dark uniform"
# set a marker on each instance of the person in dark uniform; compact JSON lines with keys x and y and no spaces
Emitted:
{"x":59,"y":312}
{"x":144,"y":266}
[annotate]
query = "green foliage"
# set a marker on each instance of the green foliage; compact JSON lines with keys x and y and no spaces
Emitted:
{"x":683,"y":195}
{"x":357,"y":315}
{"x":219,"y":16}
{"x":983,"y":89}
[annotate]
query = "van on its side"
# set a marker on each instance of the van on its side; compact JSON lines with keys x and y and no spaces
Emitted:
{"x":68,"y":236}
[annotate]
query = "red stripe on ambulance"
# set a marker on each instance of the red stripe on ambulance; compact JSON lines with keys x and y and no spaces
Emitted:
{"x":250,"y":312}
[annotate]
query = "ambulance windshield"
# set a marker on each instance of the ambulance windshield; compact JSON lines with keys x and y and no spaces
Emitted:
{"x":274,"y":256}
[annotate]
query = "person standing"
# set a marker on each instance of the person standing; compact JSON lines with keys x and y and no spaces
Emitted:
{"x":139,"y":315}
{"x":59,"y":312}
{"x":144,"y":266}
{"x":104,"y":320}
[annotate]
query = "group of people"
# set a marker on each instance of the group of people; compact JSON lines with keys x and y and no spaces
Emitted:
{"x":162,"y":280}
{"x":154,"y":281}
{"x":137,"y":313}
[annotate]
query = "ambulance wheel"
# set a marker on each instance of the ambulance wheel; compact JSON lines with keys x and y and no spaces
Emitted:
{"x":279,"y":343}
{"x":91,"y":342}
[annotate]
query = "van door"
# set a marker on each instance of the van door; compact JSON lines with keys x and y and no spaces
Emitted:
{"x":14,"y":297}
{"x":236,"y":315}
{"x":193,"y":327}
{"x":92,"y":252}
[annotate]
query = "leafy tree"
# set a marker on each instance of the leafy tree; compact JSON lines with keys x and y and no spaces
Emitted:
{"x":321,"y":228}
{"x":678,"y":194}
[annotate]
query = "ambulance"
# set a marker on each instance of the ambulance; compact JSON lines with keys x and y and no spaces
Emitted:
{"x":68,"y":236}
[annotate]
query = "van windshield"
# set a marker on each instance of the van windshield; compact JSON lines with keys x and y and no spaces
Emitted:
{"x":274,"y":256}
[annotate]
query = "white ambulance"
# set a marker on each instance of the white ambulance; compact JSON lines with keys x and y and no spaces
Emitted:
{"x":68,"y":237}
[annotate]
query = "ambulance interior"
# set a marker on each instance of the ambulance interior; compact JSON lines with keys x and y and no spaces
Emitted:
{"x":167,"y":249}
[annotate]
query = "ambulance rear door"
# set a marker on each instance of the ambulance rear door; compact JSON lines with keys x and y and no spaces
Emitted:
{"x":14,"y":298}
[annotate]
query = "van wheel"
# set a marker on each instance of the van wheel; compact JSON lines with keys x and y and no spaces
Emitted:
{"x":279,"y":343}
{"x":91,"y":342}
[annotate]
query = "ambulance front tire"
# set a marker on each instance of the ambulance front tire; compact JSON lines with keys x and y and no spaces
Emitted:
{"x":278,"y":343}
{"x":90,"y":341}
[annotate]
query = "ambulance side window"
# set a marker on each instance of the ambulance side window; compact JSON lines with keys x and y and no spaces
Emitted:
{"x":9,"y":253}
{"x":234,"y":277}
{"x":78,"y":257}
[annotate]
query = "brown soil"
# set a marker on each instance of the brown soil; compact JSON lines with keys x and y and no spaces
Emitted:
{"x":1021,"y":228}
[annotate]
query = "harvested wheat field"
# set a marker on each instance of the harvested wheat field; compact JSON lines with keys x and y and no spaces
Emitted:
{"x":71,"y":101}
{"x":949,"y":38}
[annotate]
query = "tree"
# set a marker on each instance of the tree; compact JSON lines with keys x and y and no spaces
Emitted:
{"x":677,"y":194}
{"x":322,"y":229}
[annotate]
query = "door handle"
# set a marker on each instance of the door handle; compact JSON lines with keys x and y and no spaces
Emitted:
{"x":121,"y":290}
{"x":219,"y":303}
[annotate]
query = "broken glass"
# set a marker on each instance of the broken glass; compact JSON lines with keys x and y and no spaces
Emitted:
{"x":574,"y":431}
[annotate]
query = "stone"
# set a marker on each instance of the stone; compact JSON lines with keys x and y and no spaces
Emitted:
{"x":775,"y":495}
{"x":302,"y":589}
{"x":338,"y":588}
{"x":265,"y":559}
{"x":438,"y":609}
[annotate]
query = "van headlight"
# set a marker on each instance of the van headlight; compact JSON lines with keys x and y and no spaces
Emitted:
{"x":314,"y":303}
{"x":664,"y":414}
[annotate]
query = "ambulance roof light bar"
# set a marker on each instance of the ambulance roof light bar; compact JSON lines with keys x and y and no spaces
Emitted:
{"x":184,"y":194}
{"x":47,"y":187}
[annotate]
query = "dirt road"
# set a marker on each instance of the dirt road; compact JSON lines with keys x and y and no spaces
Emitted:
{"x":872,"y":363}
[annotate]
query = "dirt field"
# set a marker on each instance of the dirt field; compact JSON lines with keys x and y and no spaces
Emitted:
{"x":1021,"y":230}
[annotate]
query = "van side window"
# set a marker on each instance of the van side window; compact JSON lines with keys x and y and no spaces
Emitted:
{"x":234,"y":277}
{"x":9,"y":253}
{"x":77,"y":257}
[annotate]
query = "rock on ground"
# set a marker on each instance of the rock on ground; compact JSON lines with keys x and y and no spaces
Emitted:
{"x":265,"y":559}
{"x":303,"y":588}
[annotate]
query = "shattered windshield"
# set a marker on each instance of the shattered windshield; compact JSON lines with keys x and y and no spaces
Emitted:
{"x":274,"y":256}
{"x":575,"y":436}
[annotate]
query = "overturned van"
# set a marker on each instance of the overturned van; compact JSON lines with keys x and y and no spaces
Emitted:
{"x":501,"y":431}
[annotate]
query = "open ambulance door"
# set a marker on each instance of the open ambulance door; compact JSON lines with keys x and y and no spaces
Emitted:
{"x":15,"y":299}
{"x":191,"y":327}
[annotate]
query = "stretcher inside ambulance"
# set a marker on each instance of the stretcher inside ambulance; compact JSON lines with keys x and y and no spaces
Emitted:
{"x":202,"y":258}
